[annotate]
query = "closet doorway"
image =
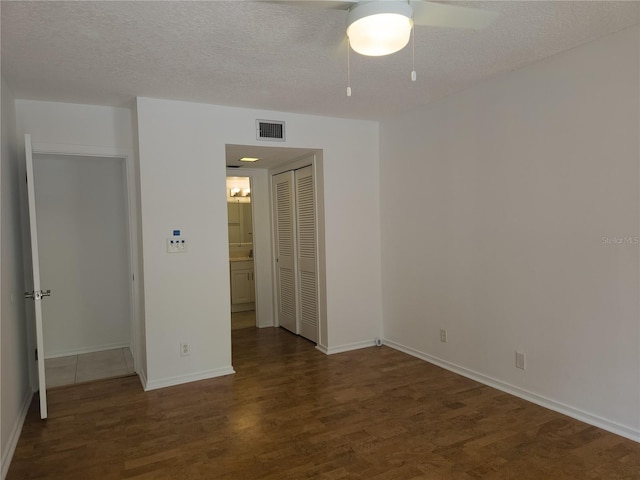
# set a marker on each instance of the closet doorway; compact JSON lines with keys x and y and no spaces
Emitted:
{"x":85,"y":255}
{"x":294,"y":219}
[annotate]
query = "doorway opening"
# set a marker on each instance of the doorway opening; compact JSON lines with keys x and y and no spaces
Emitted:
{"x":241,"y":245}
{"x":85,"y":255}
{"x":268,"y":277}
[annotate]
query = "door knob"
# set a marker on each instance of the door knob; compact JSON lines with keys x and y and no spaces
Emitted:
{"x":37,"y":295}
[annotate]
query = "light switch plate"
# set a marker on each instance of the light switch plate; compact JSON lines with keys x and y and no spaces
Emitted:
{"x":177,"y":245}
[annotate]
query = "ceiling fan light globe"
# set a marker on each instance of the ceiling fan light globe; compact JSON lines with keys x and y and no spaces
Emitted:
{"x":380,"y":34}
{"x":378,"y":28}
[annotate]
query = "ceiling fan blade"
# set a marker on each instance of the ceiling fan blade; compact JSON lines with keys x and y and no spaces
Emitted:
{"x":330,"y":4}
{"x":453,"y":16}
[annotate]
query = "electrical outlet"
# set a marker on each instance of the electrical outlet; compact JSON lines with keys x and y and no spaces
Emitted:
{"x":520,"y":360}
{"x":185,"y":349}
{"x":443,"y":335}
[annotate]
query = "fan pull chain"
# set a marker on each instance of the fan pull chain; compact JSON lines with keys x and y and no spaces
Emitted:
{"x":348,"y":68}
{"x":413,"y":54}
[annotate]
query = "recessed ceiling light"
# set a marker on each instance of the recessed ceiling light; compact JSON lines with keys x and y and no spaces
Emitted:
{"x":249,"y":159}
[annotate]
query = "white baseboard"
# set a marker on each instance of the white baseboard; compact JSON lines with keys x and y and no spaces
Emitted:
{"x":595,"y":420}
{"x":10,"y":448}
{"x":143,"y":379}
{"x":192,"y":377}
{"x":81,"y":351}
{"x":346,"y":348}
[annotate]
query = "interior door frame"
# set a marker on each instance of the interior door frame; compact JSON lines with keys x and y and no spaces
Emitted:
{"x":131,"y":222}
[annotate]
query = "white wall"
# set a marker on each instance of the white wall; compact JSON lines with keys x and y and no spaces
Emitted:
{"x":495,"y":204}
{"x":72,"y":124}
{"x":84,"y":254}
{"x":182,"y":162}
{"x":90,"y":130}
{"x":15,"y":389}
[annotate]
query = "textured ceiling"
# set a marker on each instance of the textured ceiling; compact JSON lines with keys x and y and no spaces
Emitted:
{"x":271,"y":55}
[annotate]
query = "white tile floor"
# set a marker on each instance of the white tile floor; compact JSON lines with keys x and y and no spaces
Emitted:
{"x":88,"y":366}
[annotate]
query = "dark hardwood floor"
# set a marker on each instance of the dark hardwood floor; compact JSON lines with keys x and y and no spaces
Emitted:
{"x":291,"y":412}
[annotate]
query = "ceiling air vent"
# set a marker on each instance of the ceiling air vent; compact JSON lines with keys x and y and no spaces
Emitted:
{"x":270,"y":130}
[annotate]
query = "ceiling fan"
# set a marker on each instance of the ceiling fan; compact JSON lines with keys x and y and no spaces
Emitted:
{"x":382,"y":27}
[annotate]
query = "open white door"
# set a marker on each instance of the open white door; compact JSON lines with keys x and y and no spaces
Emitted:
{"x":37,"y":294}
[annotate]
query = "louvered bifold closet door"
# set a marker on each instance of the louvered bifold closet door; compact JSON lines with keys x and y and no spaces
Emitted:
{"x":306,"y":248}
{"x":283,"y":205}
